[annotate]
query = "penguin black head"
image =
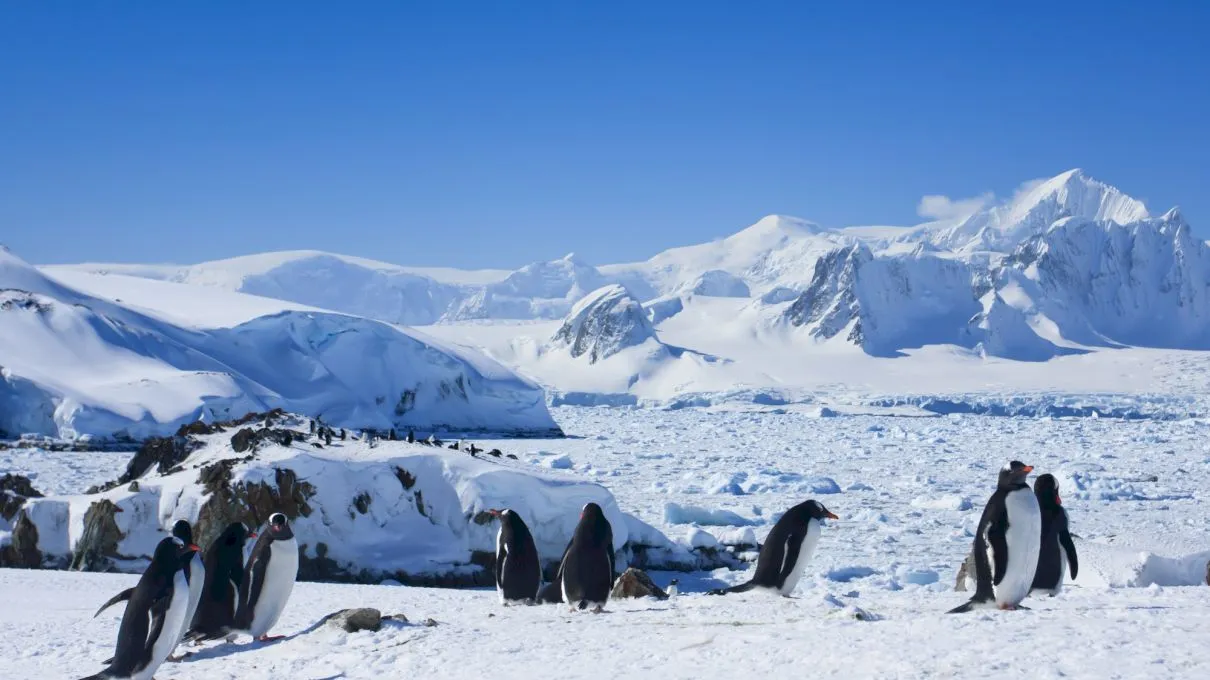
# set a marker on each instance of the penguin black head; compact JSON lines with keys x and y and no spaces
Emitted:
{"x":1046,"y":488}
{"x":592,"y":512}
{"x":816,"y":510}
{"x":170,"y":552}
{"x":279,"y":527}
{"x":1013,"y":474}
{"x":236,"y":533}
{"x":183,"y":531}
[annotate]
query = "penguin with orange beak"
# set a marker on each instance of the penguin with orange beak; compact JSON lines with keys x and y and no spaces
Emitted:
{"x":787,"y":550}
{"x":1006,"y":543}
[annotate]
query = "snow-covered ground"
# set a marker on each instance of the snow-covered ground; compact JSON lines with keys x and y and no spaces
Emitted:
{"x":908,"y":490}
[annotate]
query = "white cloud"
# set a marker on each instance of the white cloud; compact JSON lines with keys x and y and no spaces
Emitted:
{"x":939,"y":207}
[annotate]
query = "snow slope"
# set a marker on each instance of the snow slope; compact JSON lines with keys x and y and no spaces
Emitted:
{"x":77,"y":364}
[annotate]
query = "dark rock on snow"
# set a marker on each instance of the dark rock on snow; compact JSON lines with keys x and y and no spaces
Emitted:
{"x":636,"y":583}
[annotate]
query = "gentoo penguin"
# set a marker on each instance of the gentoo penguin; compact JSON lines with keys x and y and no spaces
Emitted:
{"x":155,"y":615}
{"x":518,"y":572}
{"x":268,"y":579}
{"x":787,"y":549}
{"x":587,"y":571}
{"x":1006,"y":543}
{"x":224,"y":572}
{"x":195,"y":575}
{"x":1057,"y":552}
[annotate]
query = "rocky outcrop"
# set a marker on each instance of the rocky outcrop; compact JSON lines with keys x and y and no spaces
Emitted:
{"x":14,"y":491}
{"x":605,"y":322}
{"x":636,"y":583}
{"x":22,"y":551}
{"x":98,"y":545}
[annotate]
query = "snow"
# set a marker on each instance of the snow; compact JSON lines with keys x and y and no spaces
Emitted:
{"x":1135,"y":610}
{"x":76,"y":364}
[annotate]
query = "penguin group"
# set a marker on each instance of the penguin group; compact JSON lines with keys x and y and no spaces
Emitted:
{"x":587,"y":569}
{"x":185,"y":595}
{"x":1022,"y":543}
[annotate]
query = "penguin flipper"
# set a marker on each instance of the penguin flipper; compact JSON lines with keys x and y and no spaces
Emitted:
{"x":1069,"y":547}
{"x":159,"y":611}
{"x":999,"y":549}
{"x":741,"y":588}
{"x":124,"y":595}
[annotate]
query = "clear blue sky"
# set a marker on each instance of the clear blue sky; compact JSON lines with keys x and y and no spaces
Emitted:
{"x":495,"y":134}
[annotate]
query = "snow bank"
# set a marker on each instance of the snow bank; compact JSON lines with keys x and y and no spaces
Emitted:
{"x":360,"y":510}
{"x":674,"y":513}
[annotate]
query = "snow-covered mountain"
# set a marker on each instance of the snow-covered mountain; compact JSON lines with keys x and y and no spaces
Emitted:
{"x":74,"y":364}
{"x":603,"y":323}
{"x":1066,"y":266}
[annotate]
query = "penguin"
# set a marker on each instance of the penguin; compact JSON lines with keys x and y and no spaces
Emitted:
{"x":1056,"y":552}
{"x":1006,"y":543}
{"x":587,"y":570}
{"x":787,"y":550}
{"x":518,"y":571}
{"x":411,"y":437}
{"x":155,"y":614}
{"x":195,"y":575}
{"x":224,"y":564}
{"x":268,"y":579}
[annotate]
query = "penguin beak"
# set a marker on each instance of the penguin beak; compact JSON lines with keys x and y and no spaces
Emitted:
{"x":1058,"y":500}
{"x":495,"y":513}
{"x":830,"y":515}
{"x":251,"y":534}
{"x":193,"y":548}
{"x":1028,"y":469}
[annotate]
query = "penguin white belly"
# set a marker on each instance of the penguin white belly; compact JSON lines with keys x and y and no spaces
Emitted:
{"x":1024,"y":539}
{"x":197,"y":581}
{"x":804,"y":556}
{"x":501,"y":548}
{"x":174,"y":620}
{"x":275,"y":591}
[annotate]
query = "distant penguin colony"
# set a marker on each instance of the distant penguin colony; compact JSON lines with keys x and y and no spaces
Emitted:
{"x":268,"y":579}
{"x":787,"y":550}
{"x":1006,"y":543}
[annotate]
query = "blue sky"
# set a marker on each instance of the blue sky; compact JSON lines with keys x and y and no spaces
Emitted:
{"x":495,"y":134}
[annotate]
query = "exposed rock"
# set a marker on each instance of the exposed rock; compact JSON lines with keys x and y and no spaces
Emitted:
{"x":355,"y":620}
{"x":14,"y":491}
{"x":604,"y":323}
{"x":248,"y":503}
{"x":248,"y":439}
{"x":22,"y":550}
{"x":98,"y":545}
{"x":636,"y":583}
{"x":163,"y":453}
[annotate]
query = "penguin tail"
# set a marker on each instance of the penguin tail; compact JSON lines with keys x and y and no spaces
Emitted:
{"x":970,"y":605}
{"x":741,"y":588}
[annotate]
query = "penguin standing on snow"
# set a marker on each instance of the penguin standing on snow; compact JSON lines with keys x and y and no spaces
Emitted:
{"x":587,"y":571}
{"x":787,"y":550}
{"x":1057,"y":552}
{"x":518,"y":572}
{"x":155,"y":615}
{"x":268,"y":579}
{"x":224,"y":572}
{"x":195,"y":576}
{"x":1006,"y":543}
